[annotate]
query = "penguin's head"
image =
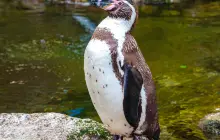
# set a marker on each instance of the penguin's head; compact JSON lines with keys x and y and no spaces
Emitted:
{"x":118,"y":9}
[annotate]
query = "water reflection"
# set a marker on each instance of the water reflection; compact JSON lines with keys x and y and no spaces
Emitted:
{"x":85,"y":22}
{"x":35,"y":50}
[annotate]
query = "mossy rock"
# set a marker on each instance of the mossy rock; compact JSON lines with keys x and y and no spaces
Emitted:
{"x":90,"y":130}
{"x":210,"y":125}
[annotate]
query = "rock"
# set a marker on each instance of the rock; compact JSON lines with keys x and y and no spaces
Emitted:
{"x":30,"y":6}
{"x":210,"y":125}
{"x":49,"y":126}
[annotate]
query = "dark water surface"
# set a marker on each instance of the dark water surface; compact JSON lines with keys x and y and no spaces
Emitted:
{"x":41,"y":65}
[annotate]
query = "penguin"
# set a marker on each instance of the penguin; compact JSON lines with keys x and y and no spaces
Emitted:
{"x":118,"y":79}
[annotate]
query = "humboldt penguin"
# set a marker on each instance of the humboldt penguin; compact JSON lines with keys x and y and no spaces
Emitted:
{"x":117,"y":77}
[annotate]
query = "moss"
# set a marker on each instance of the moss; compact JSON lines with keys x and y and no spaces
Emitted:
{"x":187,"y":102}
{"x":170,"y":13}
{"x":43,"y":50}
{"x":91,"y":129}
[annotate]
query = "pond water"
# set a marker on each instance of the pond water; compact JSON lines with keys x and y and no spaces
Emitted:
{"x":41,"y":64}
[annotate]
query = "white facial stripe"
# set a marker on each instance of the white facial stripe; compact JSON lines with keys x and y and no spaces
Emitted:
{"x":133,"y":16}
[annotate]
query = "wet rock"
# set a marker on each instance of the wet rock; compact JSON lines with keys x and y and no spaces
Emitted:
{"x":210,"y":125}
{"x":49,"y":126}
{"x":33,"y":6}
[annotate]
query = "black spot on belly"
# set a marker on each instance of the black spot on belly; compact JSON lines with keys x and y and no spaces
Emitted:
{"x":109,"y":63}
{"x":125,"y":125}
{"x":93,"y":67}
{"x":111,"y":120}
{"x":99,"y":69}
{"x":103,"y":72}
{"x":96,"y":80}
{"x":98,"y":92}
{"x":106,"y":85}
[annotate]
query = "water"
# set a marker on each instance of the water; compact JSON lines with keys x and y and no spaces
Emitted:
{"x":85,"y":22}
{"x":41,"y":64}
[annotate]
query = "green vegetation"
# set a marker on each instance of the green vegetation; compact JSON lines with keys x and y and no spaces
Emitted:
{"x":91,"y":129}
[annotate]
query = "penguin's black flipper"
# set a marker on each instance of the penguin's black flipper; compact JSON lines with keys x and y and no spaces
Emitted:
{"x":132,"y":85}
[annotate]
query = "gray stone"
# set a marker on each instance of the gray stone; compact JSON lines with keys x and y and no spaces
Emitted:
{"x":210,"y":125}
{"x":49,"y":126}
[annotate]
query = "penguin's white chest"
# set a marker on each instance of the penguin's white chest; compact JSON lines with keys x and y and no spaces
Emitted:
{"x":104,"y":88}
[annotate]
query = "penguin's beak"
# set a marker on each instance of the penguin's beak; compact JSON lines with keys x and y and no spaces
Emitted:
{"x":105,"y":5}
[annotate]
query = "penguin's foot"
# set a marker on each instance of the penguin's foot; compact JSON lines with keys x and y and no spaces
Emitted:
{"x":117,"y":137}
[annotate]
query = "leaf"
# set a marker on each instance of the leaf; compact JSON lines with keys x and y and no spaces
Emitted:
{"x":183,"y":66}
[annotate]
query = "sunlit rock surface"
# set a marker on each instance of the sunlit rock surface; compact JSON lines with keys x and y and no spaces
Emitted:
{"x":49,"y":126}
{"x":210,"y":125}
